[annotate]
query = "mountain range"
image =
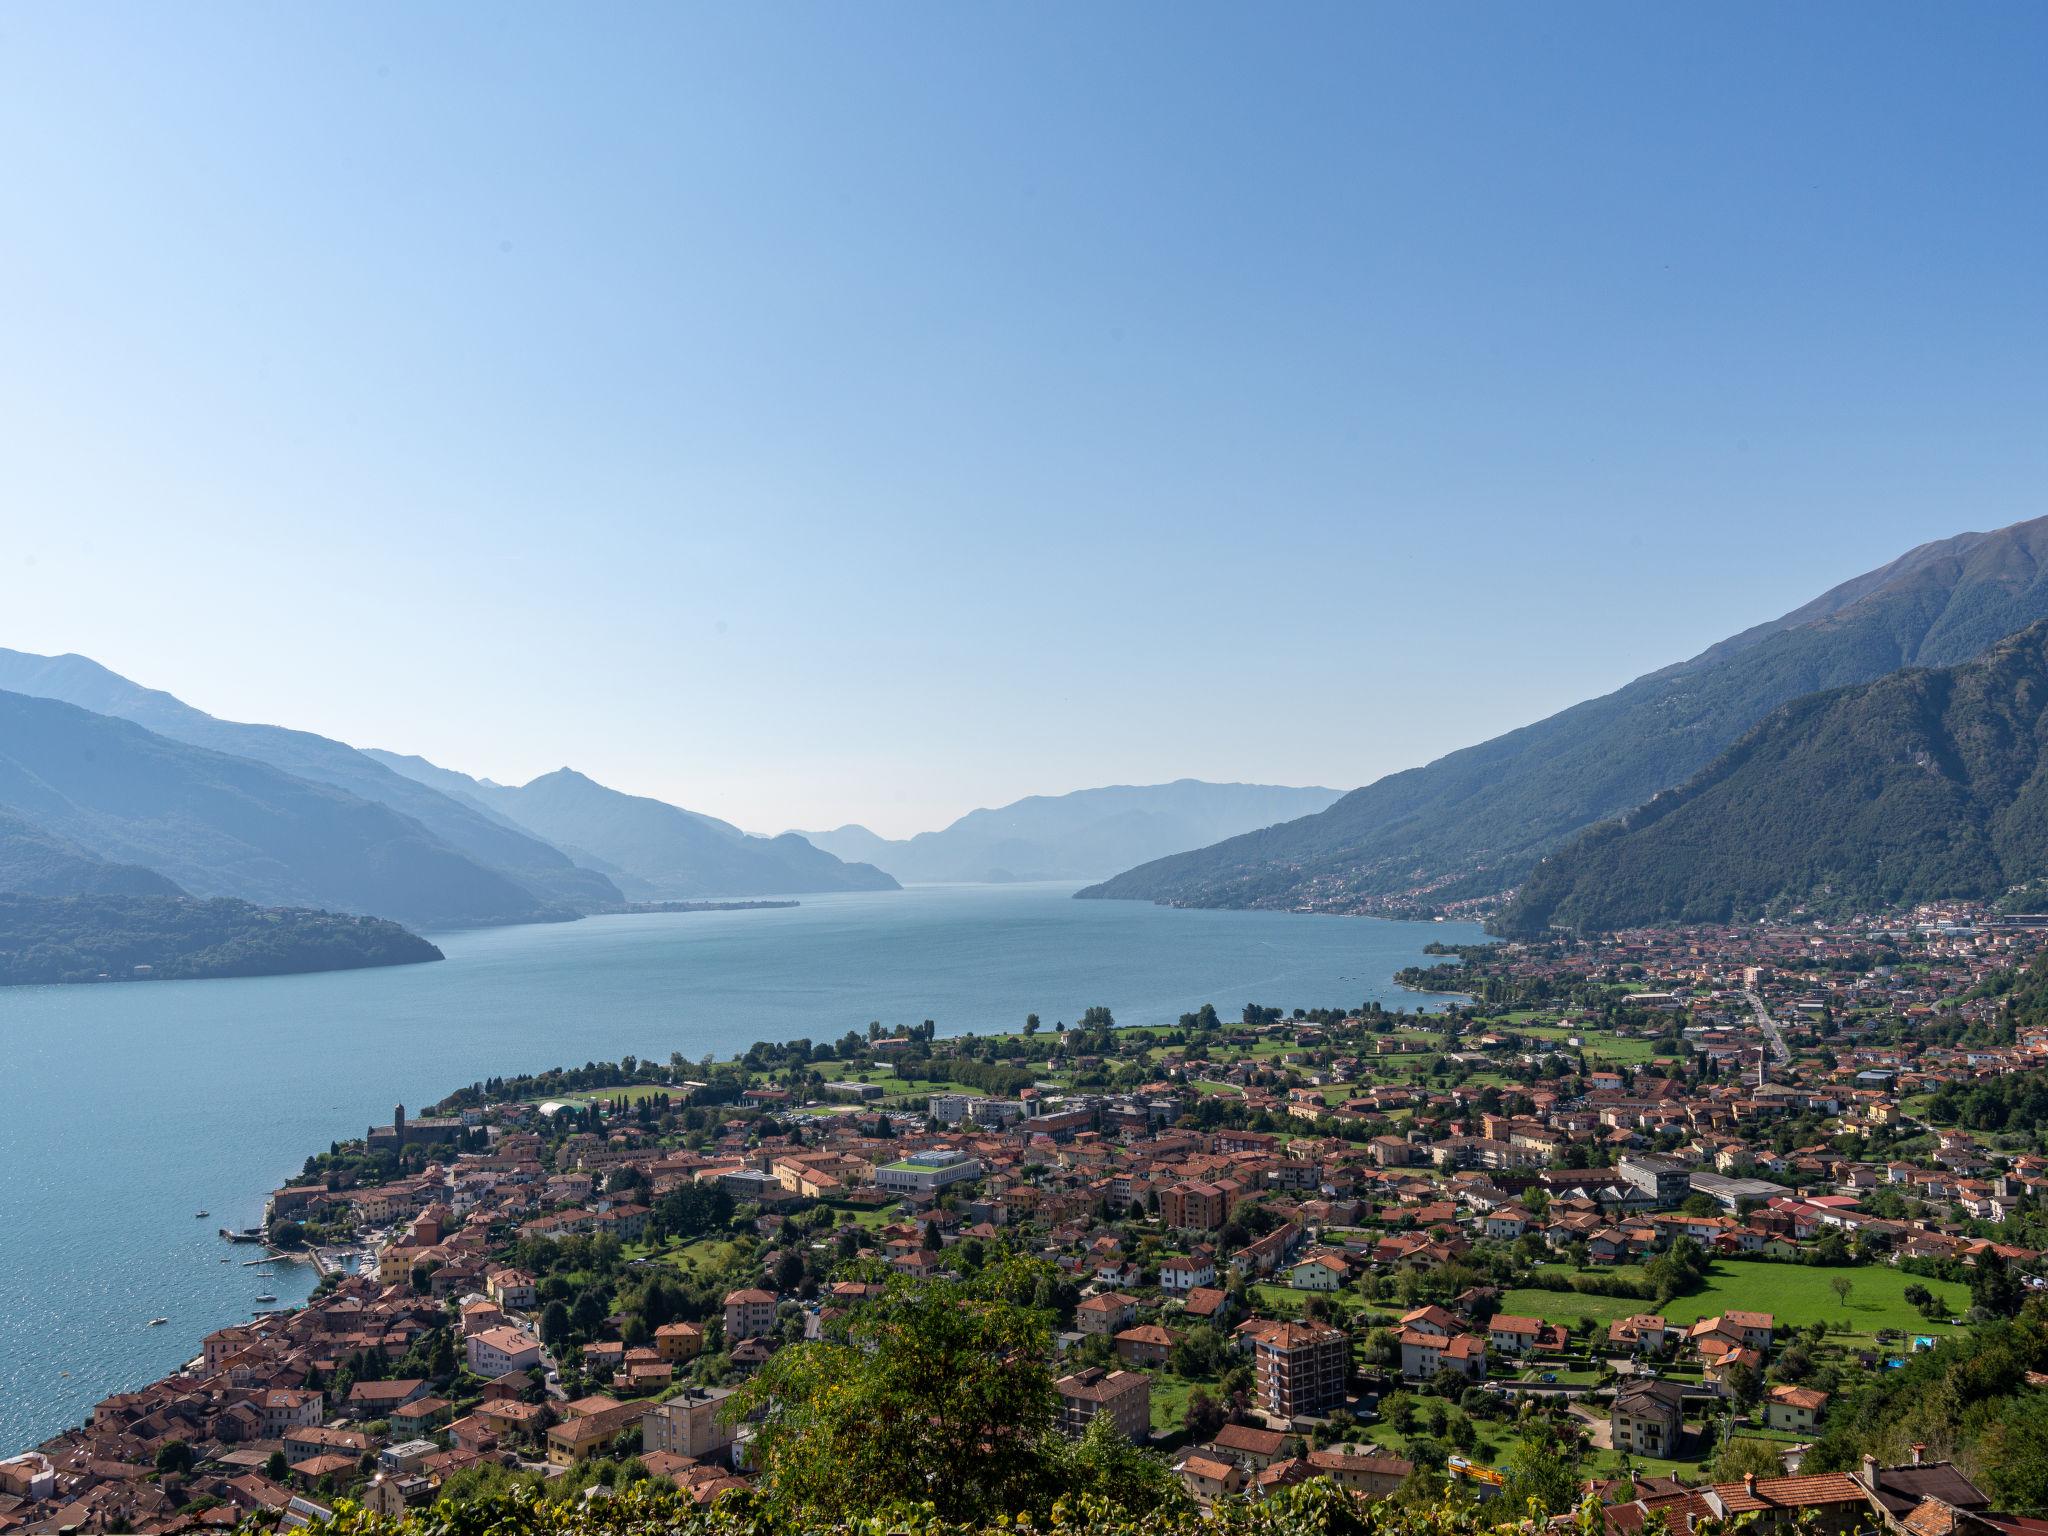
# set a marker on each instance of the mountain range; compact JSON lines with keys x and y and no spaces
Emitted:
{"x":1476,"y":822}
{"x":1928,"y":784}
{"x":108,"y":787}
{"x":654,"y":850}
{"x":1080,"y":836}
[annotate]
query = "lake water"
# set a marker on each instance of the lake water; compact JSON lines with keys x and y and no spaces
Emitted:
{"x":129,"y":1107}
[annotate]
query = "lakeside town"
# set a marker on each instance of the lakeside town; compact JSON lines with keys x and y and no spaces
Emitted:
{"x":1667,"y":1202}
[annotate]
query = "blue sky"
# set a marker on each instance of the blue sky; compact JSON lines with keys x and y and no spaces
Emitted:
{"x":867,"y":412}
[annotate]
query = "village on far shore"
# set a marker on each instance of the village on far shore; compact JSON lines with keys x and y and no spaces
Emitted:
{"x":1673,"y":1191}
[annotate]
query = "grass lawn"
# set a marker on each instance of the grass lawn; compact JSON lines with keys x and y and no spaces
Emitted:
{"x":633,"y":1093}
{"x":1285,"y":1301}
{"x":1567,"y":1307}
{"x":1799,"y":1295}
{"x":704,"y":1253}
{"x":1795,"y":1294}
{"x":1170,"y":1394}
{"x":1598,"y":1047}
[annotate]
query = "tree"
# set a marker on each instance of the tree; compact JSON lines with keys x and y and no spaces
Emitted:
{"x":1541,"y":1472}
{"x":1994,"y":1287}
{"x":881,"y":1413}
{"x":1030,"y":1023}
{"x":1104,"y":1465}
{"x":554,"y":1323}
{"x":277,"y":1469}
{"x":1743,"y":1457}
{"x":1841,"y":1285}
{"x":174,"y":1458}
{"x":1744,"y":1386}
{"x":1204,"y":1415}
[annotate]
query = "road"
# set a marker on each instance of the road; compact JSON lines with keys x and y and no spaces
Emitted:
{"x":1780,"y":1052}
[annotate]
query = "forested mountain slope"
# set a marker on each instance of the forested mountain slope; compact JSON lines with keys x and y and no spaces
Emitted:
{"x":1926,"y":784}
{"x":1477,"y":820}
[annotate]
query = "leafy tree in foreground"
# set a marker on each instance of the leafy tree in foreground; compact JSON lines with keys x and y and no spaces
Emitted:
{"x":934,"y":1393}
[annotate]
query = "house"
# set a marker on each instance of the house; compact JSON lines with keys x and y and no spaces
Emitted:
{"x":1106,"y":1313}
{"x":1361,"y":1469}
{"x":496,"y":1351}
{"x":691,"y":1425}
{"x":1647,"y":1418}
{"x":1208,"y":1301}
{"x":1834,"y":1502}
{"x":678,"y":1341}
{"x":380,"y":1399}
{"x":1320,"y":1272}
{"x":1146,"y":1345}
{"x":1253,"y":1448}
{"x":1208,"y":1479}
{"x":1180,"y":1276}
{"x":1522,"y":1335}
{"x":1424,"y":1354}
{"x":1902,"y":1490}
{"x":1646,"y":1332}
{"x":285,"y":1408}
{"x":749,"y":1314}
{"x":1126,"y":1396}
{"x":1795,"y":1408}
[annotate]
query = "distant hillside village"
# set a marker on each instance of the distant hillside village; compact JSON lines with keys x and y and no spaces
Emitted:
{"x":1673,"y":1198}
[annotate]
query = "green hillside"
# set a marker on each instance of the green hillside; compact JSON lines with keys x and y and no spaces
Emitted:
{"x":1927,"y":784}
{"x":87,"y":938}
{"x":38,"y":863}
{"x":1478,"y":820}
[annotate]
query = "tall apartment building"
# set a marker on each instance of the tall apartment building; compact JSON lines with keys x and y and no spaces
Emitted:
{"x":1299,"y":1369}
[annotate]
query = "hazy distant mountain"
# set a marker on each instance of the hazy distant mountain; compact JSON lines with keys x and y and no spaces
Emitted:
{"x":1924,"y":785}
{"x":1477,"y":820}
{"x":221,"y":825}
{"x":654,"y":850}
{"x":34,"y":862}
{"x":1078,"y":836}
{"x":549,"y":874}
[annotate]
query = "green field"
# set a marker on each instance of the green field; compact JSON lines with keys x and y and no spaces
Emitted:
{"x":1795,"y":1294}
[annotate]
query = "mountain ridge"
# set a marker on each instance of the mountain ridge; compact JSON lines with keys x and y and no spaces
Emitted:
{"x":1079,"y":835}
{"x":655,"y":850}
{"x":548,"y":874}
{"x":1929,"y":783}
{"x":1474,"y":822}
{"x":215,"y":824}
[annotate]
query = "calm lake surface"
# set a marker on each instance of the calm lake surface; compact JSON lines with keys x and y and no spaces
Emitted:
{"x":130,"y":1107}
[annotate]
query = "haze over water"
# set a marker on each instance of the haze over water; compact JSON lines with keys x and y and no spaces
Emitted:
{"x":130,"y":1107}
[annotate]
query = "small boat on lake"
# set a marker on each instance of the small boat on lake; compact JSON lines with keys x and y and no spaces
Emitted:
{"x":201,"y":1215}
{"x":158,"y":1322}
{"x":266,"y":1296}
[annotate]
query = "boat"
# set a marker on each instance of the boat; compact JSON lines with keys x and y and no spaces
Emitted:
{"x":266,"y":1296}
{"x":158,"y":1322}
{"x":201,"y":1215}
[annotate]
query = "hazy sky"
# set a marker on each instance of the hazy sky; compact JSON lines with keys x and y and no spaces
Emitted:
{"x":870,"y":411}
